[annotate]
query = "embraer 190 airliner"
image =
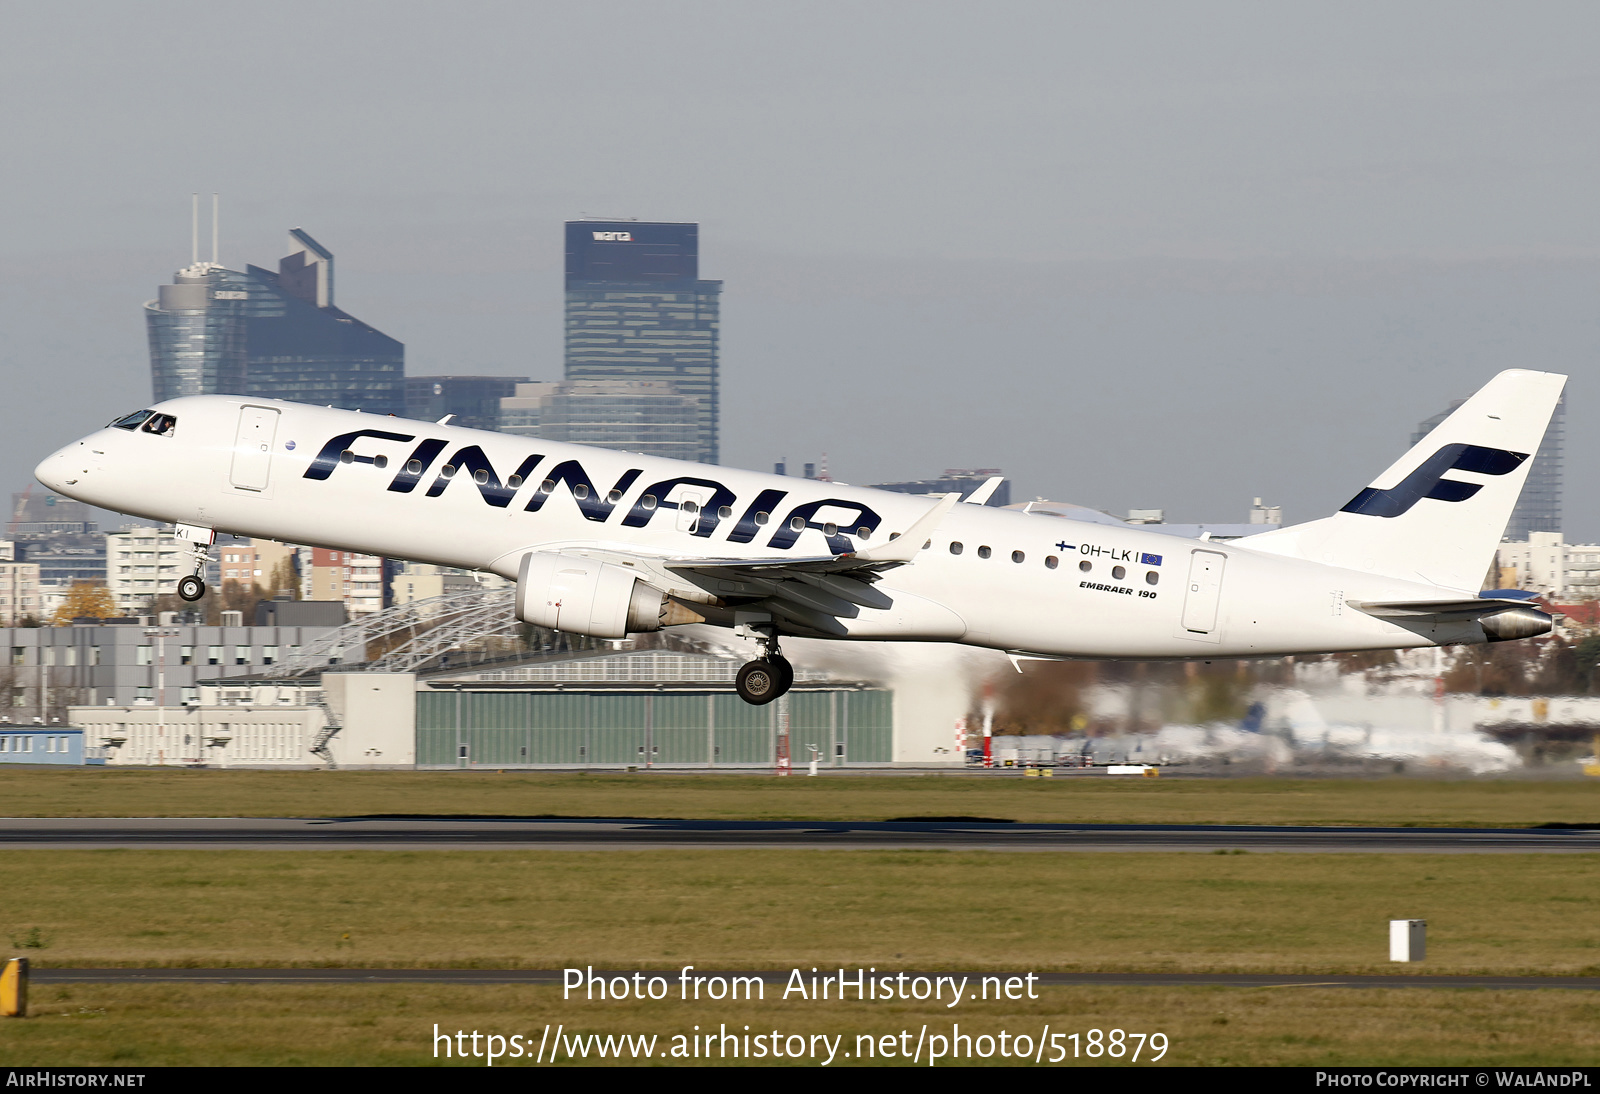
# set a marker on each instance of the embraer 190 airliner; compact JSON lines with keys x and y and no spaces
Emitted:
{"x":608,"y":543}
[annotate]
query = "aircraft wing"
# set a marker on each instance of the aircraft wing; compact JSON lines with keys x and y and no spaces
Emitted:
{"x":812,"y":592}
{"x":815,"y":592}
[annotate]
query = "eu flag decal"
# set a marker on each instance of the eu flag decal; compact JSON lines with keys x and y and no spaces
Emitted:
{"x":1149,"y":560}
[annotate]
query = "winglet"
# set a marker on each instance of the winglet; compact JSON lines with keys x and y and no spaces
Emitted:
{"x":904,"y":548}
{"x":982,"y":494}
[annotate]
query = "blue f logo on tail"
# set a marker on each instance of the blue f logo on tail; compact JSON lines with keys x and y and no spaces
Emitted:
{"x":1428,"y":481}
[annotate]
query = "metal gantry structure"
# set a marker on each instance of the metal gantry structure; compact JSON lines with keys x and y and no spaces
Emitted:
{"x":408,"y":635}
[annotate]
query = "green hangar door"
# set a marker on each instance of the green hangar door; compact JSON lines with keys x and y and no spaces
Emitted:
{"x":513,"y":728}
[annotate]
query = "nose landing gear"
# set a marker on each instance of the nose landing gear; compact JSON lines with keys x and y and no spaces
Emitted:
{"x":766,"y":678}
{"x":193,"y":588}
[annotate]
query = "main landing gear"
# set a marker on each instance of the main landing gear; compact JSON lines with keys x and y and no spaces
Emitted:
{"x":769,"y":676}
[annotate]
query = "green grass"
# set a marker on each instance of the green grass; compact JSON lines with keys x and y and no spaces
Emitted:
{"x":79,"y":792}
{"x":150,"y":1025}
{"x":776,"y":910}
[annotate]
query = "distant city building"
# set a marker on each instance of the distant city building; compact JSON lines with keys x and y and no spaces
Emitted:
{"x":20,"y":596}
{"x":58,"y":536}
{"x":41,"y":513}
{"x":358,"y":580}
{"x":142,"y":564}
{"x":420,"y":581}
{"x":1546,"y":564}
{"x":1263,"y":518}
{"x":647,"y":416}
{"x":522,"y":412}
{"x":260,"y":562}
{"x":1539,"y":507}
{"x":65,"y":557}
{"x":271,"y":335}
{"x":955,"y":480}
{"x":473,"y":401}
{"x":636,"y":309}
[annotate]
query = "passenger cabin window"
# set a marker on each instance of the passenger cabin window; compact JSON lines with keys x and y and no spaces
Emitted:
{"x":131,"y":421}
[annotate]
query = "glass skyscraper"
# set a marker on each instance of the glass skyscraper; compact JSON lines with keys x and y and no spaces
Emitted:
{"x":278,"y":335}
{"x":1539,"y":507}
{"x":637,"y":310}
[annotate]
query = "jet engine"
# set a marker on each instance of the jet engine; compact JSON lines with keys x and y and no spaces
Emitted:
{"x":1515,"y":623}
{"x":600,"y":599}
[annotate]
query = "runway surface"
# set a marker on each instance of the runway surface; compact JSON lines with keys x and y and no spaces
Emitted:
{"x":393,"y":833}
{"x":554,"y":976}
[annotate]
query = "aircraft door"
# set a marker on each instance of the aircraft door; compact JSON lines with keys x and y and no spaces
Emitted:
{"x":252,"y":448}
{"x":1203,"y":593}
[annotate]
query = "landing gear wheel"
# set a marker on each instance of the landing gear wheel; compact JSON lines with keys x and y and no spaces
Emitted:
{"x":191,"y":588}
{"x":785,"y":671}
{"x":758,"y":683}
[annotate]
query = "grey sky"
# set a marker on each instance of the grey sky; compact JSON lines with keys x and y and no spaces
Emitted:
{"x":1138,"y":255}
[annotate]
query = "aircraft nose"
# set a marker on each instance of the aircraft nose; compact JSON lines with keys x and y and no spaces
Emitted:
{"x":62,"y":470}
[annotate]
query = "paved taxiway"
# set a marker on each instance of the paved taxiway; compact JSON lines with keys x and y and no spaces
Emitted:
{"x":554,"y":976}
{"x":580,"y":834}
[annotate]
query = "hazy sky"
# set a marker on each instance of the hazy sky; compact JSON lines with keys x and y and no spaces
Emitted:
{"x":1138,"y":255}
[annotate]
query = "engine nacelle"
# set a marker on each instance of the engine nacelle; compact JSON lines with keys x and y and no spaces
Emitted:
{"x":582,"y":596}
{"x":1514,"y":623}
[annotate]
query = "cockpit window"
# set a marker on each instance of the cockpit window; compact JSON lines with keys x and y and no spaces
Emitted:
{"x":132,"y":421}
{"x":161,"y":425}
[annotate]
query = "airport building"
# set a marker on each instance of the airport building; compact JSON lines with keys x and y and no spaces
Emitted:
{"x":636,"y":309}
{"x":45,"y":670}
{"x":54,"y":745}
{"x":643,"y":708}
{"x":271,"y":335}
{"x":1539,"y":509}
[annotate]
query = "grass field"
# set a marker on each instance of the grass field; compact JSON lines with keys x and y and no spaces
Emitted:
{"x":217,"y":1024}
{"x":79,"y":792}
{"x":743,"y":909}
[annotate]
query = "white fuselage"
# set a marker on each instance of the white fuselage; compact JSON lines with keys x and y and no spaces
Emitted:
{"x":274,"y":470}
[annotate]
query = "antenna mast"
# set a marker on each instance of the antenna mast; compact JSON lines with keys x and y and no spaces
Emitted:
{"x":214,"y":222}
{"x":194,"y":237}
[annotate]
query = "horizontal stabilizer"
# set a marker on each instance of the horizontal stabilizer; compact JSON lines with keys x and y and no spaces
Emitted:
{"x":1501,"y":619}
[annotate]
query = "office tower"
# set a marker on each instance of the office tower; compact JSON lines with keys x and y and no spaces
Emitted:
{"x":272,"y":335}
{"x":473,"y":401}
{"x":650,"y":417}
{"x":1539,"y":507}
{"x":636,"y":310}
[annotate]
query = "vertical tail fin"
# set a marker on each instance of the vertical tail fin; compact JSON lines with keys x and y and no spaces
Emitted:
{"x":1437,"y":514}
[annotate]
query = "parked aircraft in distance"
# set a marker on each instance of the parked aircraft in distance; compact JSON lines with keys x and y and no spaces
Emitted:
{"x":609,"y":543}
